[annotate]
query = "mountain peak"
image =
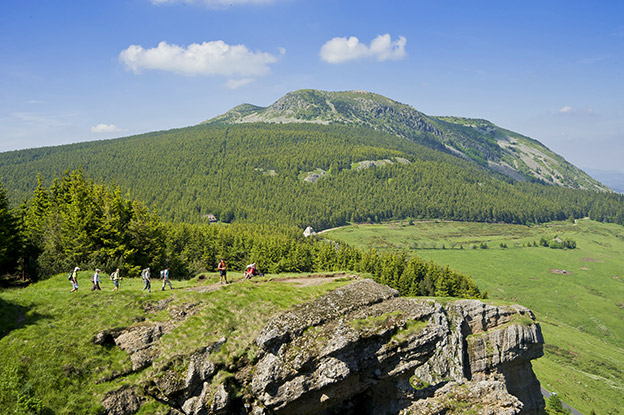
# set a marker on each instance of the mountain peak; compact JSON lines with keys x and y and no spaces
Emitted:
{"x":477,"y":140}
{"x":357,"y":108}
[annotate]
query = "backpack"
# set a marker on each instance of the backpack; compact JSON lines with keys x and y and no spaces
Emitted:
{"x":69,"y":276}
{"x":143,"y":274}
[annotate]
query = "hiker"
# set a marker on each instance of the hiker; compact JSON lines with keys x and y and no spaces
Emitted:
{"x":250,"y":271}
{"x":222,"y":272}
{"x":115,"y":278}
{"x":73,"y":278}
{"x":165,"y":277}
{"x":145,"y":274}
{"x":96,"y":281}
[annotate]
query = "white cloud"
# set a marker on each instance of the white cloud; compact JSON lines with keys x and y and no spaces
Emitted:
{"x":568,"y":110}
{"x":382,"y":48}
{"x":105,"y":128}
{"x":215,"y":4}
{"x":207,"y":58}
{"x":238,"y":83}
{"x":48,"y":120}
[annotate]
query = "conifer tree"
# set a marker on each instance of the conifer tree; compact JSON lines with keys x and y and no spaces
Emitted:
{"x":9,"y":237}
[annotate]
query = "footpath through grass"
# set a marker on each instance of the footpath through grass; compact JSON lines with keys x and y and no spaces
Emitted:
{"x":50,"y":365}
{"x":581,"y":310}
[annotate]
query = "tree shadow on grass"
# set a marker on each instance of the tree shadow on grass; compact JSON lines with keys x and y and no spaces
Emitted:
{"x":14,"y":316}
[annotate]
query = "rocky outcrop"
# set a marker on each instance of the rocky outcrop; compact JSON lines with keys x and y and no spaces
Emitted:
{"x":483,"y":398}
{"x":361,"y":349}
{"x":190,"y":385}
{"x":315,"y":176}
{"x":125,"y":400}
{"x":500,"y":347}
{"x":380,"y":352}
{"x":141,"y":341}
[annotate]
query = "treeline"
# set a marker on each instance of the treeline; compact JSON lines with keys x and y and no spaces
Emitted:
{"x":276,"y":249}
{"x":253,"y":173}
{"x":78,"y":222}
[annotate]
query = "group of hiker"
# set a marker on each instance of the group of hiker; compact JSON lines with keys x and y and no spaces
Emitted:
{"x":250,"y":271}
{"x":116,"y":278}
{"x":147,"y":279}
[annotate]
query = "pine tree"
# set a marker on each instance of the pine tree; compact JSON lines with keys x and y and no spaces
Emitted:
{"x":9,"y":236}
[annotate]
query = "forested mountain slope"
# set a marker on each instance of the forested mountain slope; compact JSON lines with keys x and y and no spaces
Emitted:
{"x":301,"y":174}
{"x":479,"y":141}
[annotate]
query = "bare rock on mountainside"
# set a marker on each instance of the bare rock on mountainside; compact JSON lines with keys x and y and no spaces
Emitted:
{"x":362,"y":349}
{"x":483,"y":398}
{"x":123,"y":401}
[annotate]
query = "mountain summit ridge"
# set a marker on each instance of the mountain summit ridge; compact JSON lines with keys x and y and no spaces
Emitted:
{"x":508,"y":153}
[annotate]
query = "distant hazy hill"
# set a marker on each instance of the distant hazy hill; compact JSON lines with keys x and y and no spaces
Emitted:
{"x":480,"y":141}
{"x":613,"y":179}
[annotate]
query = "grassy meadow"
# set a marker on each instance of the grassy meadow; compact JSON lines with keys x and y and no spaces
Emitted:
{"x":581,"y":310}
{"x":50,"y":365}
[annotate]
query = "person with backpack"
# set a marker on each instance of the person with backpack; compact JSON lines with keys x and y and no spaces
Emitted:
{"x":145,"y":274}
{"x":73,"y":278}
{"x":165,"y":277}
{"x":96,"y":281}
{"x":250,"y":271}
{"x":115,"y":278}
{"x":222,"y":268}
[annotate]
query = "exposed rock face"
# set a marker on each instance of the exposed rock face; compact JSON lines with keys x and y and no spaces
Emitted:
{"x":375,"y":347}
{"x":315,"y":176}
{"x":194,"y":390}
{"x":501,"y":342}
{"x":123,"y":401}
{"x":361,"y":349}
{"x":483,"y":398}
{"x":141,"y":341}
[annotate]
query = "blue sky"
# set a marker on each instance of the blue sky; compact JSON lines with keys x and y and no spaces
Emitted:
{"x":86,"y":70}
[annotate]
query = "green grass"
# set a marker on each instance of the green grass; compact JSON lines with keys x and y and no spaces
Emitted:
{"x":411,"y":328}
{"x":49,"y":364}
{"x":581,"y":312}
{"x":374,"y":323}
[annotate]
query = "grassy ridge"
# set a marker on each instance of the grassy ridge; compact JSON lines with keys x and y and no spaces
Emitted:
{"x":581,"y":311}
{"x":49,"y":364}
